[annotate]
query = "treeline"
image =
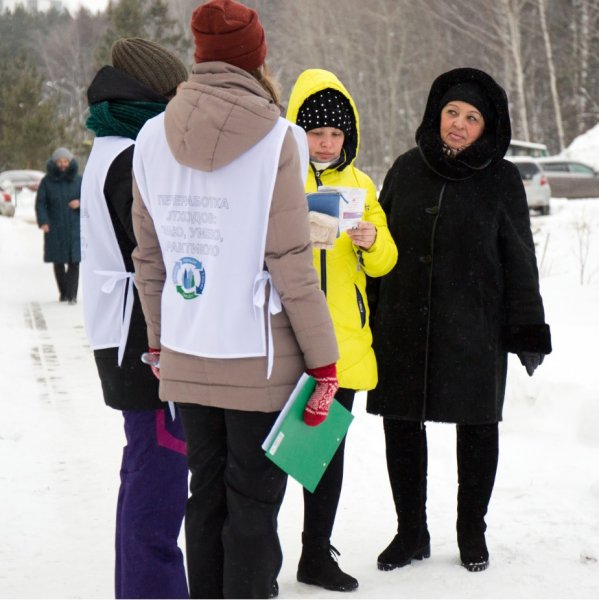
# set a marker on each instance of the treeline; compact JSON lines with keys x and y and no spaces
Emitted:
{"x":544,"y":52}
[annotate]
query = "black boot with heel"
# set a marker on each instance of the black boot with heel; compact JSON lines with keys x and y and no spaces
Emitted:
{"x":477,"y":456}
{"x":407,"y":463}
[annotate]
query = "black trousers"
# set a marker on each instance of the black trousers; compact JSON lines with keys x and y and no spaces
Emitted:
{"x":477,"y":456}
{"x":67,"y":279}
{"x":233,"y":548}
{"x":320,"y":507}
{"x":477,"y":452}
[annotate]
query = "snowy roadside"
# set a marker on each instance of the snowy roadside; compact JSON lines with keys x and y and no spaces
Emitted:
{"x":60,"y":452}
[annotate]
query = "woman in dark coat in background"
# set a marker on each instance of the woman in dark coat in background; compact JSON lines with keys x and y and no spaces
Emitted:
{"x":464,"y":293}
{"x":57,"y":210}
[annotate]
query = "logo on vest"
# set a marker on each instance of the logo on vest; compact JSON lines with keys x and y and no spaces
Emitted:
{"x":189,"y":277}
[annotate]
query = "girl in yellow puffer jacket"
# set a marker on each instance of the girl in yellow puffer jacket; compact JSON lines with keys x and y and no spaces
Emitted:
{"x":323,"y":107}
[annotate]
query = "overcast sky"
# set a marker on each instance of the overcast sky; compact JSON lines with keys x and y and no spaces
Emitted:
{"x":72,"y":5}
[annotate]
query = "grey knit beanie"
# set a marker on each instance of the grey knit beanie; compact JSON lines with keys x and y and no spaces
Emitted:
{"x":61,"y":153}
{"x":149,"y":63}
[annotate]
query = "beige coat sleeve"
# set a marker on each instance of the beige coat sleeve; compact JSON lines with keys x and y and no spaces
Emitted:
{"x":150,"y":273}
{"x":289,"y":261}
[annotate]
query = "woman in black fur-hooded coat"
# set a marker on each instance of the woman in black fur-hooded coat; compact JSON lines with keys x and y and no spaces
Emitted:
{"x":464,"y":293}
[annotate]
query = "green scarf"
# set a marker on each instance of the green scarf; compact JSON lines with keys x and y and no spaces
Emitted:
{"x":124,"y":119}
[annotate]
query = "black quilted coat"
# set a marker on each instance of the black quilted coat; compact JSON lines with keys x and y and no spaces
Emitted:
{"x":465,"y":290}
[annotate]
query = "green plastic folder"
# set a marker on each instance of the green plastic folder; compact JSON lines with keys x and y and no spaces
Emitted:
{"x":302,"y":451}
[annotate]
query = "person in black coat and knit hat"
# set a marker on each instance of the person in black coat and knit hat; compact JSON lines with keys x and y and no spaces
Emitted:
{"x":153,"y":491}
{"x":464,"y":293}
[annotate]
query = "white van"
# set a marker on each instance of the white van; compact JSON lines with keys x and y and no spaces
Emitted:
{"x":520,"y":148}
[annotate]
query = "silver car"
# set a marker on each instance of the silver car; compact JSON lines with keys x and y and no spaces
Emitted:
{"x":571,"y":178}
{"x":22,"y":185}
{"x":22,"y":178}
{"x":536,"y":183}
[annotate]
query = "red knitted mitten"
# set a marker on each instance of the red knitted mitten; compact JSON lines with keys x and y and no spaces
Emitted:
{"x":317,"y":407}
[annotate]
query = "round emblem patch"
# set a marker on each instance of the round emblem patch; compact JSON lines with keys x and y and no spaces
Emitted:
{"x":189,"y":277}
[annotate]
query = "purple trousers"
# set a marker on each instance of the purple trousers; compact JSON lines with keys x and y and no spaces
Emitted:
{"x":151,"y":506}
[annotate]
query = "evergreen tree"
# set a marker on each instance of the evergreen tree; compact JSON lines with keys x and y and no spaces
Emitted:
{"x":163,"y":29}
{"x":139,"y":18}
{"x":125,"y":19}
{"x":29,"y":126}
{"x":14,"y":29}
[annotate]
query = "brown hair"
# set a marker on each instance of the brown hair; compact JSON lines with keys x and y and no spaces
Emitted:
{"x":268,"y":82}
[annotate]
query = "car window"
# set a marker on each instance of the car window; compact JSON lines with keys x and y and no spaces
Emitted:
{"x":527,"y":170}
{"x":580,"y":168}
{"x":555,"y":167}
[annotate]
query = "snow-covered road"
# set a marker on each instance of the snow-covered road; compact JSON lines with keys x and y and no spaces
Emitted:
{"x":60,"y":453}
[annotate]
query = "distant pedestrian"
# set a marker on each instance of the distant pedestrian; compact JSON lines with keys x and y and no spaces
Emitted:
{"x":153,"y":491}
{"x":57,"y":210}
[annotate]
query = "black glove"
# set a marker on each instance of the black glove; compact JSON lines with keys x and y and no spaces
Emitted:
{"x":531,"y":360}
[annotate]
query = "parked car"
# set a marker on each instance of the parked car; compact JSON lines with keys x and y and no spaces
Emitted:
{"x":571,"y":178}
{"x":25,"y":205}
{"x":22,"y":178}
{"x":536,"y":184}
{"x":7,"y":206}
{"x":22,"y":185}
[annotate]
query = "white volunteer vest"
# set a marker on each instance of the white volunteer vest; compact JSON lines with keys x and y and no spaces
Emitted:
{"x":212,"y":227}
{"x":103,"y":275}
{"x":301,"y":140}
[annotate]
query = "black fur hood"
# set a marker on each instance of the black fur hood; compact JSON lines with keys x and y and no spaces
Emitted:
{"x":488,"y":149}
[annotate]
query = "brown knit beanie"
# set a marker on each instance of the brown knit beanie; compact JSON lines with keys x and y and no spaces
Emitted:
{"x":228,"y":31}
{"x":149,"y":63}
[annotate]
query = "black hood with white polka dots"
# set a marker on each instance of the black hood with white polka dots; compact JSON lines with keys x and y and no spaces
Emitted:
{"x":319,"y":99}
{"x":328,"y":108}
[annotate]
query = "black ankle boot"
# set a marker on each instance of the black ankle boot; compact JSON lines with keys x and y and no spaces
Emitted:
{"x":473,"y":548}
{"x":407,"y":463}
{"x":400,"y":552}
{"x":477,"y":454}
{"x":318,"y":566}
{"x":274,"y":591}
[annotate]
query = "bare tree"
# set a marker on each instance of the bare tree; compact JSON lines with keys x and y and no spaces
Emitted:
{"x":583,"y":51}
{"x":511,"y":36}
{"x":68,"y":65}
{"x":552,"y":77}
{"x":545,"y":53}
{"x":492,"y":34}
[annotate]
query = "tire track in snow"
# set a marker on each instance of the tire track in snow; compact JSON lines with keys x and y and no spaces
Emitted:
{"x":43,"y":355}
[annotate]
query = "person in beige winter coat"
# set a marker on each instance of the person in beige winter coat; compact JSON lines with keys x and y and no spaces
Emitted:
{"x":221,"y":221}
